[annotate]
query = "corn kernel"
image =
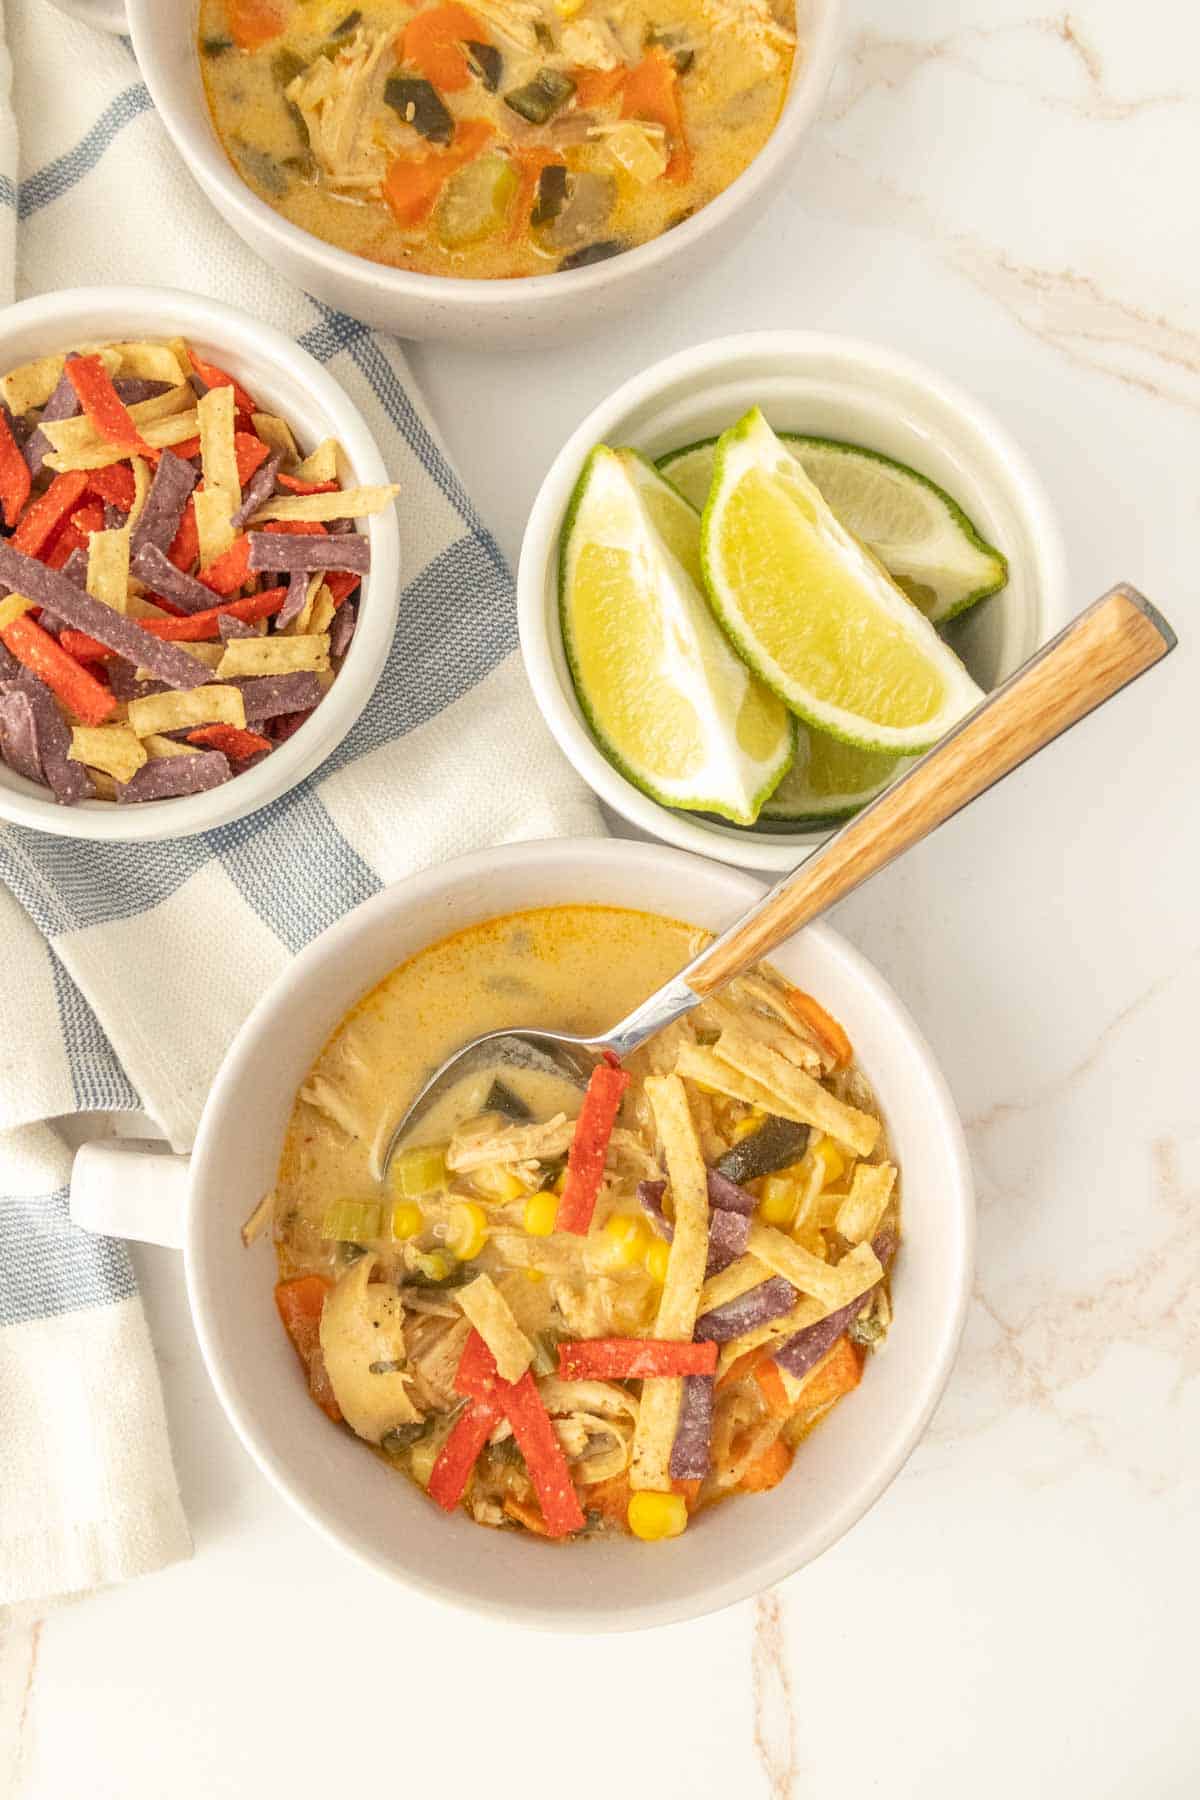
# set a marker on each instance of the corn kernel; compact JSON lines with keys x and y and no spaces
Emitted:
{"x":623,"y":1241}
{"x":497,"y":1183}
{"x":534,"y":1275}
{"x":435,"y":1266}
{"x":566,"y":9}
{"x":655,"y":1516}
{"x":829,"y":1159}
{"x":746,"y":1127}
{"x":541,"y":1213}
{"x":407,"y":1219}
{"x":468,"y":1230}
{"x":779,"y":1200}
{"x":657,"y":1257}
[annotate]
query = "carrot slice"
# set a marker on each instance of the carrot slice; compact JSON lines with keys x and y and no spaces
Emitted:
{"x":528,"y":1516}
{"x":433,"y":43}
{"x":593,"y":87}
{"x":839,"y":1374}
{"x":208,"y":372}
{"x":79,"y":690}
{"x":767,"y":1470}
{"x":253,"y":23}
{"x":589,"y":1147}
{"x":823,"y":1026}
{"x":460,"y":1453}
{"x":48,"y":512}
{"x":300,"y":1303}
{"x":104,"y":406}
{"x":770,"y":1381}
{"x":652,"y":92}
{"x":412,"y":185}
{"x":239,"y":746}
{"x":15,"y":480}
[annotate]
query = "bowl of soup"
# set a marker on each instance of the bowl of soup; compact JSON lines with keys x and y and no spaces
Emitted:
{"x":352,"y":1429}
{"x":481,"y":172}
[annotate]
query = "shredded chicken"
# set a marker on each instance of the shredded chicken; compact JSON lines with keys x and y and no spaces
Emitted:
{"x":516,"y":20}
{"x":362,"y":1340}
{"x":434,"y":1351}
{"x":335,"y":97}
{"x":752,"y":24}
{"x":475,"y":1148}
{"x":590,"y":44}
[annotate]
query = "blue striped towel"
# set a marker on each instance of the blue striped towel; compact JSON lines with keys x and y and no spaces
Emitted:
{"x":128,"y":970}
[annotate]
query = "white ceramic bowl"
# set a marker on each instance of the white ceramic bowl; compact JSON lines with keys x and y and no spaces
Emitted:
{"x":479,"y":312}
{"x":352,"y":1497}
{"x":290,"y":382}
{"x":831,"y":387}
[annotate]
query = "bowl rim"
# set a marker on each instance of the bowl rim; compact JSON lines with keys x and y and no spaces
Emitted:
{"x":421,"y":890}
{"x":206,"y":160}
{"x":57,"y":314}
{"x":779,"y":850}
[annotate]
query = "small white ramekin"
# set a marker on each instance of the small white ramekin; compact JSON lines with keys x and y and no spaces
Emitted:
{"x":831,"y":387}
{"x":291,"y":383}
{"x":532,"y":309}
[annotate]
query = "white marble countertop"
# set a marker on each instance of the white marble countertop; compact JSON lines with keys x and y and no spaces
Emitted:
{"x":1009,"y":196}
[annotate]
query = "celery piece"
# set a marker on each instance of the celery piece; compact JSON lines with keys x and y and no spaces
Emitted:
{"x":419,"y":1171}
{"x":350,"y":1221}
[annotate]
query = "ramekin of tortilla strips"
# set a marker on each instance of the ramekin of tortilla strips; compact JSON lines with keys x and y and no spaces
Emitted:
{"x":199,"y":564}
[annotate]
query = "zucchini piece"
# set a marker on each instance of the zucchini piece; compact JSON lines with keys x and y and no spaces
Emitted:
{"x":421,"y":106}
{"x":542,"y":97}
{"x":348,"y":23}
{"x":216,"y":46}
{"x":285,"y":66}
{"x":501,"y":1099}
{"x":551,"y":195}
{"x":777,"y":1144}
{"x":258,"y":166}
{"x":487,"y":63}
{"x":592,"y":253}
{"x":474,"y":205}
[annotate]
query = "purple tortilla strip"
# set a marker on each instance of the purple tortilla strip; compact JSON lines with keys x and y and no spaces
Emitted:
{"x":123,"y":681}
{"x":62,"y":404}
{"x":800,"y":1353}
{"x":228,"y":626}
{"x":10,"y":668}
{"x":151,"y":565}
{"x":691,"y":1453}
{"x":728,"y":1235}
{"x":133,"y":389}
{"x":266,"y":696}
{"x":74,"y":569}
{"x":47,"y":586}
{"x":18,"y":735}
{"x":341,"y":632}
{"x":291,"y":551}
{"x":114,"y":518}
{"x":769,"y":1300}
{"x":260,"y":490}
{"x":169,"y":777}
{"x":294,"y":604}
{"x":173,"y":482}
{"x":728,"y":1195}
{"x":650,"y":1199}
{"x":69,"y":780}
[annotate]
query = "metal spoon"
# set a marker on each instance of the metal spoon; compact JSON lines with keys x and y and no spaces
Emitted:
{"x":1117,"y":639}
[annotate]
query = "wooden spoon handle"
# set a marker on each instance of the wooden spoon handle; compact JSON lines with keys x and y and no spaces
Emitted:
{"x":1111,"y":644}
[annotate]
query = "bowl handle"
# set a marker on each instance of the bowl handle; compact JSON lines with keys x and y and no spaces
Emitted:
{"x":129,"y":1188}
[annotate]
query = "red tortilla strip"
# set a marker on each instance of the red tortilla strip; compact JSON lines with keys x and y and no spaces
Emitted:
{"x":114,"y":485}
{"x":67,"y":680}
{"x":16,"y":482}
{"x":89,"y":518}
{"x":341,"y":584}
{"x":48,"y":512}
{"x":633,"y":1359}
{"x":238,"y":746}
{"x":230,"y":571}
{"x":251,"y":453}
{"x":104,"y":406}
{"x":212,"y":376}
{"x":295,"y":486}
{"x":522,"y":1406}
{"x":185,"y":548}
{"x":460,"y":1453}
{"x":589,"y":1147}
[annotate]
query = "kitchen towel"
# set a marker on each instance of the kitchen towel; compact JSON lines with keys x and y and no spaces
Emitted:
{"x":126,"y":971}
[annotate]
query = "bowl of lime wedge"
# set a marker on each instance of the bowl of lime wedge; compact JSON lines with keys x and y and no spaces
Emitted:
{"x":769,"y":571}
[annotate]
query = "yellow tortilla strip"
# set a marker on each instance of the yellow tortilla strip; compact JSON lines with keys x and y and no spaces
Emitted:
{"x":158,"y":747}
{"x":33,"y":383}
{"x":658,"y":1413}
{"x":12,"y":607}
{"x":141,"y":487}
{"x":299,"y":626}
{"x":160,"y":434}
{"x":278,"y":434}
{"x":859,"y":1214}
{"x":796,"y":1095}
{"x":153,"y":362}
{"x":274,"y":655}
{"x":346,"y":503}
{"x":860,"y":1270}
{"x":176,"y":711}
{"x":113,"y":748}
{"x":731,"y":1283}
{"x":145,"y":609}
{"x":492,"y":1317}
{"x":209,"y":654}
{"x":705,"y":1068}
{"x":323,"y":611}
{"x":321,"y":464}
{"x":763,"y":1030}
{"x":218,"y":452}
{"x":77,"y":434}
{"x":108,"y":568}
{"x":214,"y":528}
{"x":836,"y":1284}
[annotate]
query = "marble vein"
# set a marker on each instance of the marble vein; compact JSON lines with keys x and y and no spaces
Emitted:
{"x":774,"y":1717}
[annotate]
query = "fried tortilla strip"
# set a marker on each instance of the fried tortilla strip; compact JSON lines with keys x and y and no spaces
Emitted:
{"x":108,"y":569}
{"x":321,"y":463}
{"x":345,"y":503}
{"x":79,"y":434}
{"x":218,"y":451}
{"x":492,"y":1317}
{"x":278,"y":433}
{"x":796,"y":1095}
{"x":859,"y":1215}
{"x":154,"y":362}
{"x":763,"y":1030}
{"x":159,"y":434}
{"x":659,"y":1411}
{"x":274,"y":655}
{"x":858,"y":1270}
{"x":113,"y":748}
{"x":836,"y":1284}
{"x":207,"y":705}
{"x":731,"y":1283}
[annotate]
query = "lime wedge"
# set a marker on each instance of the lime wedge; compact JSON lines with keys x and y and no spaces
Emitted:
{"x":829,"y":781}
{"x":669,"y":702}
{"x":817,"y":618}
{"x":922,"y":537}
